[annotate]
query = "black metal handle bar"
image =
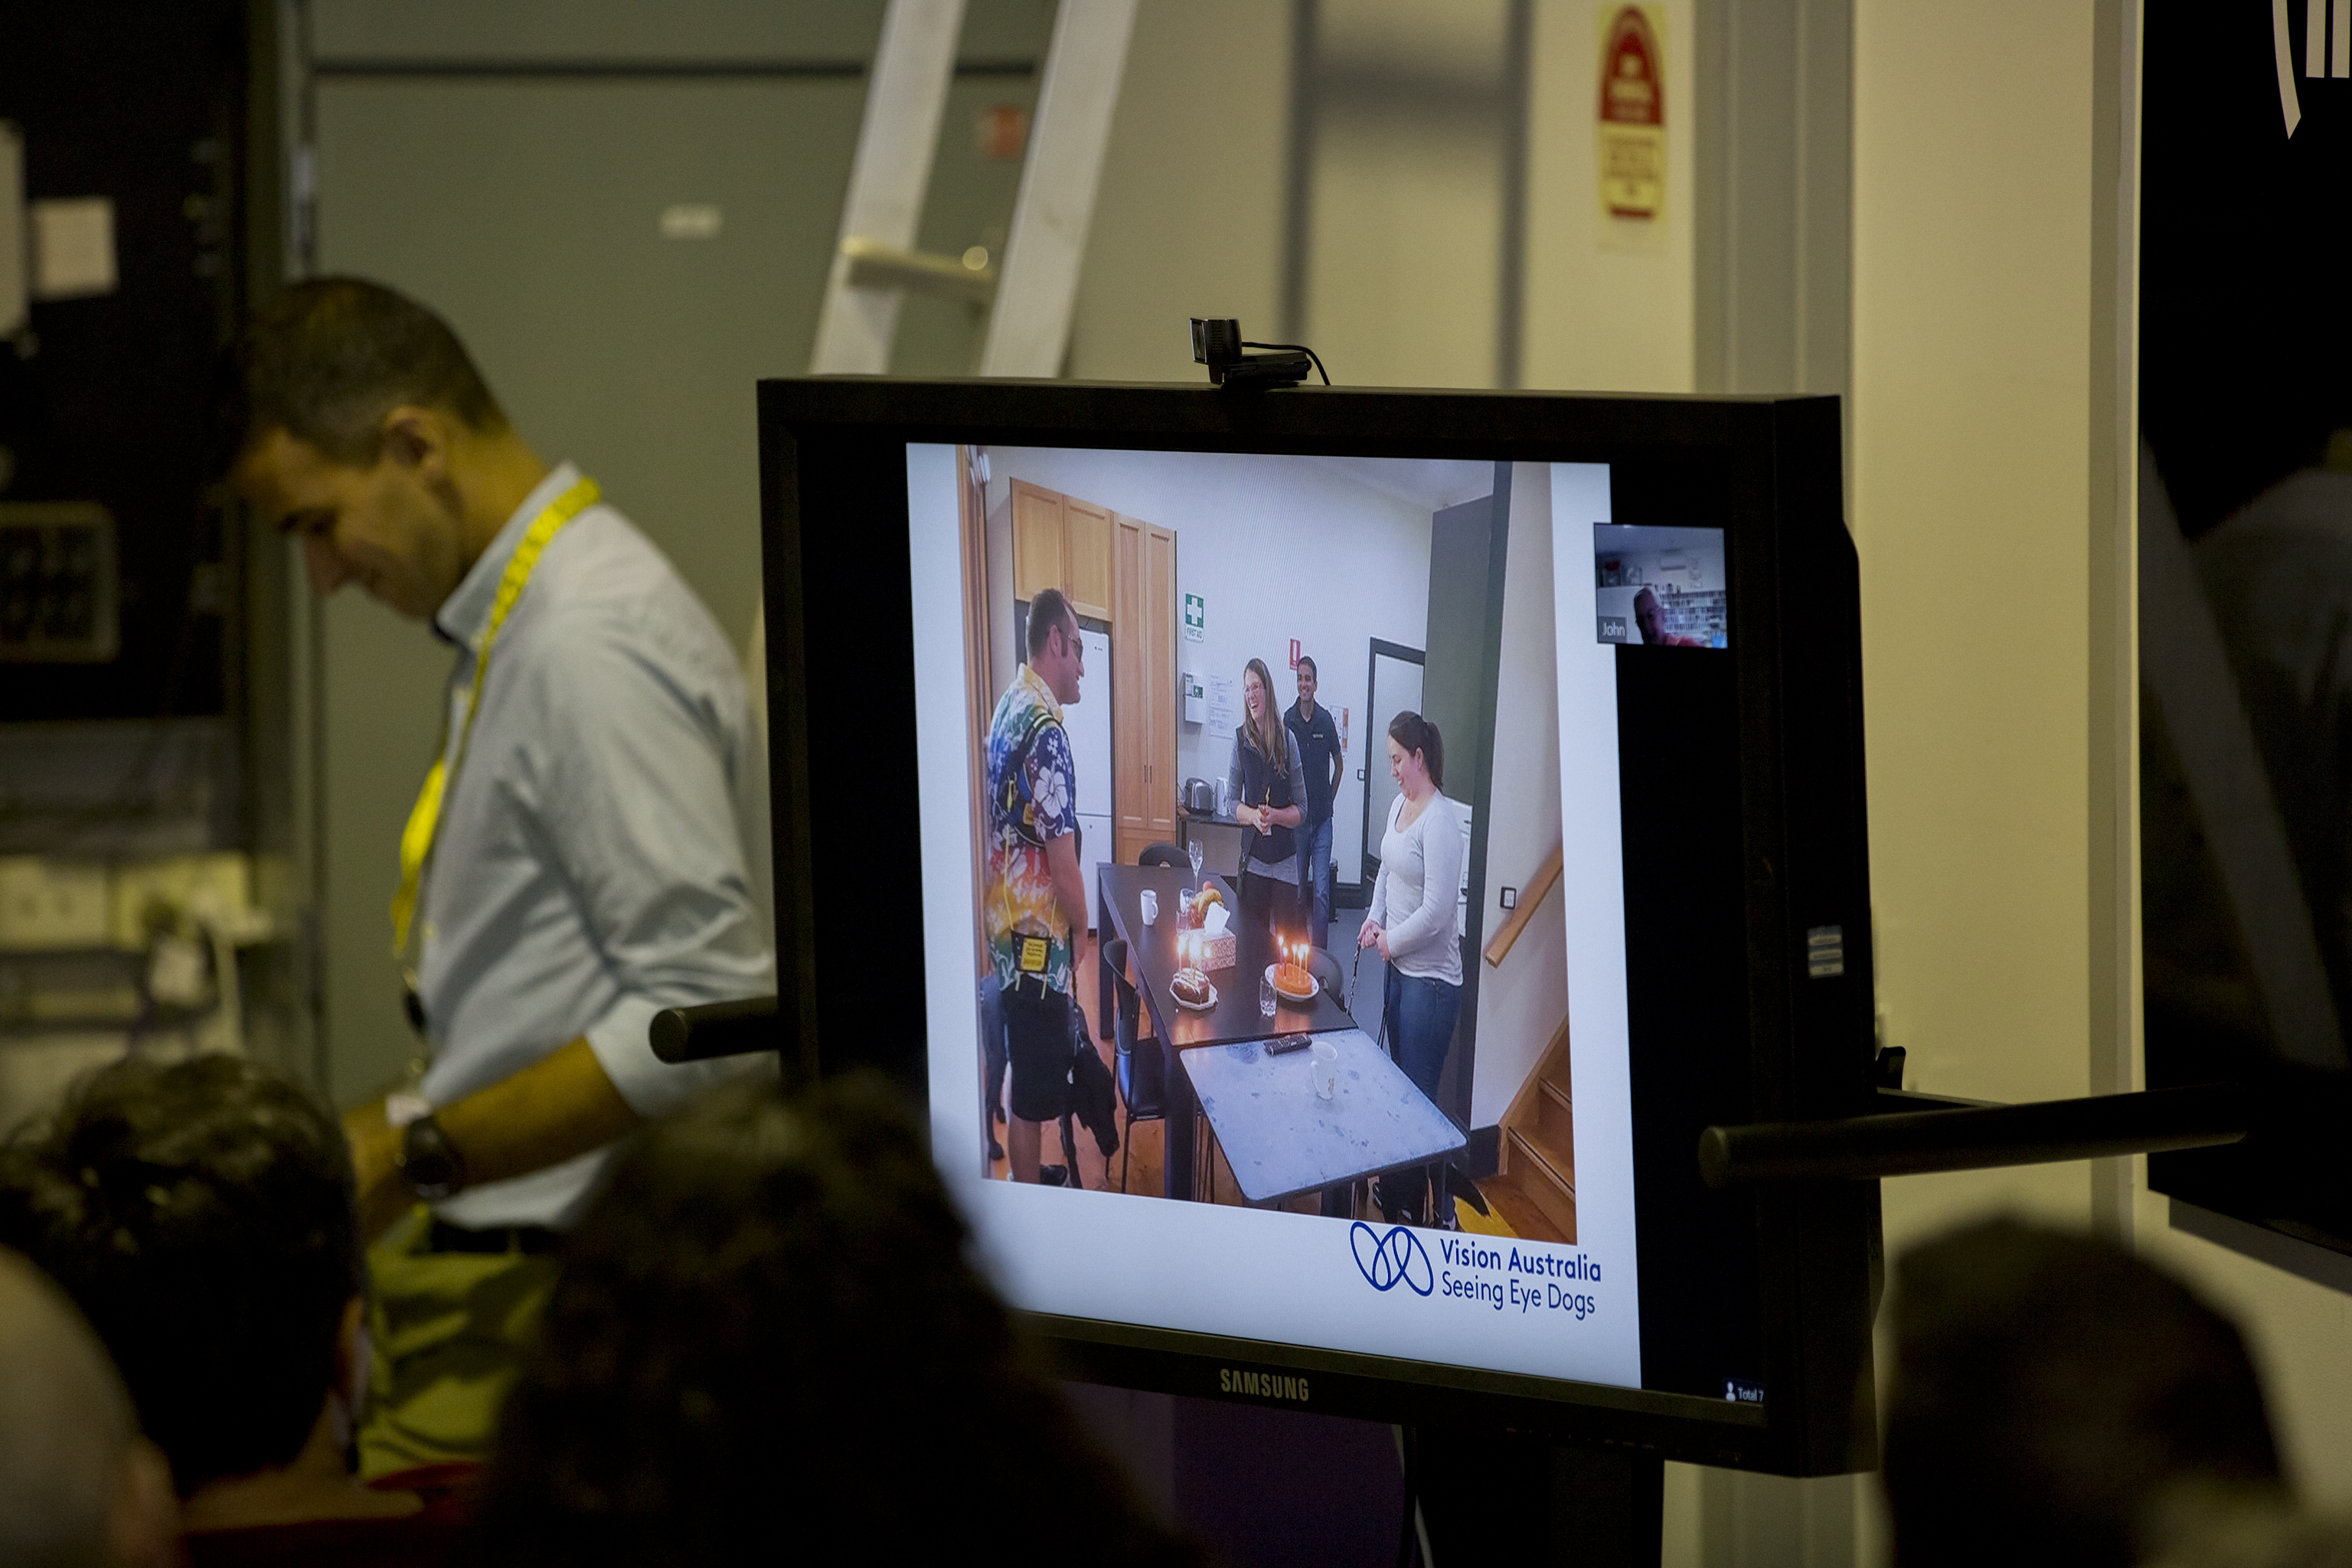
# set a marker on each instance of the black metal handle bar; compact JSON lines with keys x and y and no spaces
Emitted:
{"x":715,"y":1029}
{"x":1907,"y":1143}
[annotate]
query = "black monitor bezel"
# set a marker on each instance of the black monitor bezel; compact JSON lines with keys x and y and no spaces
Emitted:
{"x":840,"y":655}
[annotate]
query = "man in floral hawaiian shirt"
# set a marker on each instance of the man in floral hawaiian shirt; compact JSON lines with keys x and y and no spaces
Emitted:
{"x":1036,"y":900}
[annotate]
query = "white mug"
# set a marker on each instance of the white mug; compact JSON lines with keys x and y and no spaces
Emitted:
{"x":1325,"y":1065}
{"x":1150,"y":906}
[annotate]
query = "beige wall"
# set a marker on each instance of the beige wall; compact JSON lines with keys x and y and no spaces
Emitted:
{"x":1406,"y":206}
{"x":1188,"y":221}
{"x":1403,"y":259}
{"x":1601,"y":315}
{"x":1975,"y":393}
{"x":1971,"y":420}
{"x":1970,"y":428}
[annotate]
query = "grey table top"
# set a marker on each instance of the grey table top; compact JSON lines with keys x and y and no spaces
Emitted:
{"x":1281,"y":1139}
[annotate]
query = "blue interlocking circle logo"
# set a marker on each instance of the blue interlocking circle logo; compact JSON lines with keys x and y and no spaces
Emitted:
{"x":1387,"y":1260}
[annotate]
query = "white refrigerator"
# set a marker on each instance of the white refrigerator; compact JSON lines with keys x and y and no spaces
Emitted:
{"x":1088,"y":722}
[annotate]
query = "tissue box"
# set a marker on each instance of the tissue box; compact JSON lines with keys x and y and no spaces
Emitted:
{"x":1216,"y":948}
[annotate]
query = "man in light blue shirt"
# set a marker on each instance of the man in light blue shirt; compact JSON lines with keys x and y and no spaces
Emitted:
{"x":585,"y":868}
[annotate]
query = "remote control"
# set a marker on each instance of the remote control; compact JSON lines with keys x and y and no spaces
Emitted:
{"x":1285,"y":1044}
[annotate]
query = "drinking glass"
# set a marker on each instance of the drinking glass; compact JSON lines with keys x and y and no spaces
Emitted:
{"x":1266,"y":992}
{"x":1193,"y":850}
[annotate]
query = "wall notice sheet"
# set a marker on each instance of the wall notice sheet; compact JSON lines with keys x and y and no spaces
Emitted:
{"x":1225,"y":703}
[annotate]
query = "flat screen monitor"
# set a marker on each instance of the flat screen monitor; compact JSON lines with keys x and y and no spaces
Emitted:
{"x":1583,"y":765}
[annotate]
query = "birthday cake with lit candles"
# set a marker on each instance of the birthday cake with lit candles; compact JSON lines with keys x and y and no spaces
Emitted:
{"x":1291,"y":979}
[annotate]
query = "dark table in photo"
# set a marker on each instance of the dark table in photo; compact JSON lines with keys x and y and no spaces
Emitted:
{"x":1152,"y":951}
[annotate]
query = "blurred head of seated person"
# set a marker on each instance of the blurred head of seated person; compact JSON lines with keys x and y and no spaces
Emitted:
{"x":199,"y":1214}
{"x":767,"y":1334}
{"x":2053,"y":1398}
{"x":369,"y":435}
{"x":79,"y":1488}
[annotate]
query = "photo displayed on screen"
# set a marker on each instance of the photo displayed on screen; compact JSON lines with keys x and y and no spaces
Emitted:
{"x":1660,"y":587}
{"x":1264,"y":1000}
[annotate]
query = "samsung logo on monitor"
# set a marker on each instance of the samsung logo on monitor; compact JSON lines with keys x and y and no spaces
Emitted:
{"x":1261,"y":1385}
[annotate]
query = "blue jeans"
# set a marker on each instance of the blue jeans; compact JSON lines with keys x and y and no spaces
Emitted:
{"x":1420,"y":1015}
{"x":1315,"y":872}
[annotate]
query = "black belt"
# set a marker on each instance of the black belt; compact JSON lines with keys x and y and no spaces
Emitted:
{"x":532,"y":1241}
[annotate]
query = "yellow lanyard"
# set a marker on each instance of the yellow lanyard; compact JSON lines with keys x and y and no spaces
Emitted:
{"x":424,"y":817}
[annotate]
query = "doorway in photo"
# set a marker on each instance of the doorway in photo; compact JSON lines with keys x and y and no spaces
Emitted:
{"x":1394,"y":687}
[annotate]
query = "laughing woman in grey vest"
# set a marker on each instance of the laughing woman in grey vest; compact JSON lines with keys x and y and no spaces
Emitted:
{"x":1412,"y":921}
{"x":1270,"y":782}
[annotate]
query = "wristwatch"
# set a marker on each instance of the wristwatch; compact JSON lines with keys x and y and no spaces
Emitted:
{"x":428,"y":1162}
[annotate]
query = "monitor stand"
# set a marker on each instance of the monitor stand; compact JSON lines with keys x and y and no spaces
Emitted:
{"x":1503,"y":1497}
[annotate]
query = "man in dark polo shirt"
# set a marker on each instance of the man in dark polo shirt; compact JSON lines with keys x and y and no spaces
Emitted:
{"x":1319,"y":752}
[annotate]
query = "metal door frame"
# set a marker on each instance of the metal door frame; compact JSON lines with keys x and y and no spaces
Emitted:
{"x":1368,"y":865}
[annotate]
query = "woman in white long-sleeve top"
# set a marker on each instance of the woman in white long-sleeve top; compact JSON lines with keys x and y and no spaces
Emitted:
{"x":1412,"y":920}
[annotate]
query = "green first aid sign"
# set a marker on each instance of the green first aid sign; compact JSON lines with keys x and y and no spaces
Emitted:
{"x":1196,"y":617}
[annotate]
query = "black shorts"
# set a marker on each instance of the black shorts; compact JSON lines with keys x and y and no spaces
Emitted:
{"x":1037,"y":1038}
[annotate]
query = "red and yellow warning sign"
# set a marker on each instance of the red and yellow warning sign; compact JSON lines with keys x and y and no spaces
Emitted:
{"x":1632,"y":133}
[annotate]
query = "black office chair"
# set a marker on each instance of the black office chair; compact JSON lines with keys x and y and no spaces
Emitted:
{"x":1142,"y":1075}
{"x":1162,"y":854}
{"x":1329,"y":974}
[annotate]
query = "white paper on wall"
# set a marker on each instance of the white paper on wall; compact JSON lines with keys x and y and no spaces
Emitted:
{"x":1225,"y":703}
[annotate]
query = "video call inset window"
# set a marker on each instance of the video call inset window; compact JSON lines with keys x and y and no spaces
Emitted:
{"x":1660,"y":587}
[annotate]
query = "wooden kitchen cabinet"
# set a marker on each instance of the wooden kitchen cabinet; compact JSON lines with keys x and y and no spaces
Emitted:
{"x":1143,"y":672}
{"x":1039,"y":557}
{"x":1086,"y":558}
{"x":1061,"y":542}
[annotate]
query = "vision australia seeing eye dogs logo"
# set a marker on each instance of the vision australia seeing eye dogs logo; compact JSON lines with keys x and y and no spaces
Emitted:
{"x":1387,"y":1261}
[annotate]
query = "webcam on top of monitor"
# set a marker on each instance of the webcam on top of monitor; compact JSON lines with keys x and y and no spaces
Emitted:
{"x":1217,"y":342}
